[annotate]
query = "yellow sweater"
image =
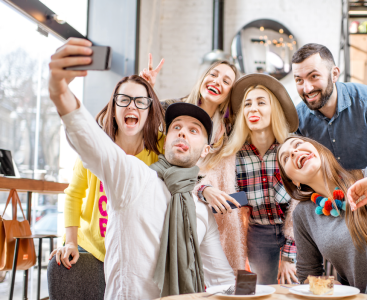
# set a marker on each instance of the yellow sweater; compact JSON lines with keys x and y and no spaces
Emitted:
{"x":90,"y":215}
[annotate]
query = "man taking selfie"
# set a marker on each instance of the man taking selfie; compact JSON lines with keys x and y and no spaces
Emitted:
{"x":160,"y":240}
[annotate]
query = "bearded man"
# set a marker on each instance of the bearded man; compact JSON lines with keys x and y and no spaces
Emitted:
{"x":332,"y":113}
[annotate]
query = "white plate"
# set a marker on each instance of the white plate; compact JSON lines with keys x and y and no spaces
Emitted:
{"x":339,"y":291}
{"x":261,"y":290}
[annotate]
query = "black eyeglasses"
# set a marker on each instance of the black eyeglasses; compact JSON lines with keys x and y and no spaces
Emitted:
{"x":125,"y":100}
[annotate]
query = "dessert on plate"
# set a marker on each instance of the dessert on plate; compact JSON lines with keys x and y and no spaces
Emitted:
{"x":245,"y":283}
{"x":320,"y":285}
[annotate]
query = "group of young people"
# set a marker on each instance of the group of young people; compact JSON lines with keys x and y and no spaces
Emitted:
{"x":154,"y":170}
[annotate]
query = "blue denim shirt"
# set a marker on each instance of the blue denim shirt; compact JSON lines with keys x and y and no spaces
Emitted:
{"x":345,"y":134}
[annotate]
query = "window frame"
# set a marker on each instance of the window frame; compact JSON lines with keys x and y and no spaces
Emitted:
{"x":43,"y":16}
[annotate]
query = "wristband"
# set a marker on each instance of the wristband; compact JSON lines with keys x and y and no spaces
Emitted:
{"x":288,"y":259}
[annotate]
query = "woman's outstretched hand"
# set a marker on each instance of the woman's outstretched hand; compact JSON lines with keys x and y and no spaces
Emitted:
{"x":287,"y":272}
{"x":150,"y":75}
{"x":62,"y":255}
{"x":357,"y":194}
{"x":74,"y":52}
{"x":218,"y":200}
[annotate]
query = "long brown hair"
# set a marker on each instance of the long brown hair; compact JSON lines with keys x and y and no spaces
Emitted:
{"x":332,"y":171}
{"x":155,"y":119}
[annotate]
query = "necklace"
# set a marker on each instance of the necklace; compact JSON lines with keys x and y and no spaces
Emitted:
{"x":325,"y":205}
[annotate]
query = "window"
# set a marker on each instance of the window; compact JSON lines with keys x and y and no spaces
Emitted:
{"x":29,"y":122}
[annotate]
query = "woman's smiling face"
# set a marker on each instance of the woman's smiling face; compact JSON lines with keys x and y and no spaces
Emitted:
{"x":217,"y":84}
{"x":130,"y":119}
{"x":300,"y":161}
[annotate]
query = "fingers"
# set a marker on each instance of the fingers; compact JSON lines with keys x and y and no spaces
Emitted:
{"x":68,"y":50}
{"x":57,"y":256}
{"x":222,"y":204}
{"x":69,"y":62}
{"x":65,"y":260}
{"x":288,"y":278}
{"x":75,"y":258}
{"x":282,"y":281}
{"x":159,"y":67}
{"x":233,"y":200}
{"x":357,"y":193}
{"x":150,"y":62}
{"x":78,"y":41}
{"x":216,"y":208}
{"x":52,"y":254}
{"x":294,"y":278}
{"x":362,"y":202}
{"x":226,"y":205}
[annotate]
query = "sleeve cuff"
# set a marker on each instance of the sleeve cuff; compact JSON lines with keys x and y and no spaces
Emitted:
{"x":289,"y":251}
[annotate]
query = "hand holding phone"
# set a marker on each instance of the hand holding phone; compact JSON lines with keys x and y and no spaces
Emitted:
{"x":101,"y":60}
{"x":240,"y":197}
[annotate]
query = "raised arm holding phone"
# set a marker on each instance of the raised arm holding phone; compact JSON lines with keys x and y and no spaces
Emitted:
{"x":139,"y":197}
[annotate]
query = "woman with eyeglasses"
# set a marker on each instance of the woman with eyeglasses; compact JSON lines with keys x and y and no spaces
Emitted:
{"x":132,"y":119}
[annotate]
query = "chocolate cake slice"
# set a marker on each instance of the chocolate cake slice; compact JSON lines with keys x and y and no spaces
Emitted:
{"x":246,"y":283}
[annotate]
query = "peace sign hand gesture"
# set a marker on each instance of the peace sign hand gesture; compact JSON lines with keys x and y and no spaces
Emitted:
{"x":150,"y":75}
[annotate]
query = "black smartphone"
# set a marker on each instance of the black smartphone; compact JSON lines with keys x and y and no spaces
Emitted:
{"x":101,"y":60}
{"x":240,"y":197}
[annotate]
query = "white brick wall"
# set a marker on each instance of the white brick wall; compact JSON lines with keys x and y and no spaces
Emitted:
{"x":181,"y":32}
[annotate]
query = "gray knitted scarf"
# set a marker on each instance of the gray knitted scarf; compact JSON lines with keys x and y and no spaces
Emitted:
{"x":179,"y":268}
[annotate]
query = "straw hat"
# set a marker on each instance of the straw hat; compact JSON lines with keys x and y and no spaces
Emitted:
{"x":242,"y":84}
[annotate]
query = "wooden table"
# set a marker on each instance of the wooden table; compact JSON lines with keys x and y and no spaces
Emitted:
{"x":280,"y":294}
{"x":30,"y":186}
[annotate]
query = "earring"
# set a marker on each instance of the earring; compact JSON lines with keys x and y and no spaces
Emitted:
{"x":299,"y":188}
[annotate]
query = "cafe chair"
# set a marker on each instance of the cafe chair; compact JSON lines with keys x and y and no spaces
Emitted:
{"x":25,"y":282}
{"x":84,"y":280}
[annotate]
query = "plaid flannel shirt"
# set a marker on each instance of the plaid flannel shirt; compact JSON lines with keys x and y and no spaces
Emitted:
{"x":259,"y":177}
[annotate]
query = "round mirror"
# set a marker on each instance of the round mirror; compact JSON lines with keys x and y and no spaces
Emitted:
{"x":264,"y":46}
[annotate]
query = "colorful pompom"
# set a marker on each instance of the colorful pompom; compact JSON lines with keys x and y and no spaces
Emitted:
{"x":328,"y":205}
{"x":338,"y":195}
{"x":326,"y":212}
{"x":322,"y":202}
{"x":334,"y":212}
{"x":338,"y":204}
{"x":344,"y":206}
{"x":314,"y":196}
{"x":318,"y":200}
{"x":318,"y":210}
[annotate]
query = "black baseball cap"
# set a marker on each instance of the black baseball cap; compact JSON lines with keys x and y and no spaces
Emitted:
{"x":187,"y":109}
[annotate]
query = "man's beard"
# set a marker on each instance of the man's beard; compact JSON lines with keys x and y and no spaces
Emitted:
{"x":184,"y":161}
{"x":325,"y":96}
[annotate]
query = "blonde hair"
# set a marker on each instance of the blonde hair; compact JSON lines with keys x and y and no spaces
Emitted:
{"x":218,"y":125}
{"x":241,"y":131}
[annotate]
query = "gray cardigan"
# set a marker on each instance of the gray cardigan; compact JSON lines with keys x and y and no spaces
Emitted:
{"x":326,"y":236}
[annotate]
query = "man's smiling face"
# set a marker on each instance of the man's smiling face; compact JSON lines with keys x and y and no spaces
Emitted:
{"x":186,"y":142}
{"x":314,"y":81}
